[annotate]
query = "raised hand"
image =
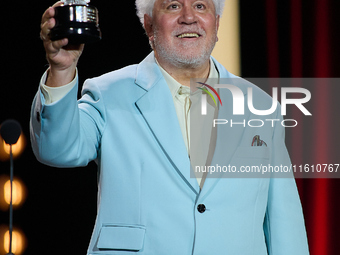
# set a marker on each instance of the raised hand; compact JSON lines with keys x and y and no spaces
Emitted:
{"x":62,"y":57}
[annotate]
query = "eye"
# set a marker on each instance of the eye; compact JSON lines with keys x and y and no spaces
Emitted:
{"x":173,"y":7}
{"x":200,"y":6}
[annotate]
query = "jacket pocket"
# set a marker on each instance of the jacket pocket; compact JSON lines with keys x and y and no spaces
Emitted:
{"x":117,"y":237}
{"x":259,"y":152}
{"x":250,"y":162}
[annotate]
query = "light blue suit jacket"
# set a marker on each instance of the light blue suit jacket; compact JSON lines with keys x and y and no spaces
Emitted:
{"x":147,"y":201}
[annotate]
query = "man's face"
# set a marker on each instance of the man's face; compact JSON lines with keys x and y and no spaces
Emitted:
{"x":183,"y":32}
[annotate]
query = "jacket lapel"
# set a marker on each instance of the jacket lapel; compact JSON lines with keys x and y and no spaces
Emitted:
{"x":158,"y":111}
{"x":228,"y":138}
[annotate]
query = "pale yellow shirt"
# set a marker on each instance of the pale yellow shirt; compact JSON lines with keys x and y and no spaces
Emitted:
{"x":53,"y":94}
{"x":203,"y":141}
{"x":181,"y":96}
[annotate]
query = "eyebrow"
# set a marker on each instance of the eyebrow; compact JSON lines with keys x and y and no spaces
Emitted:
{"x":169,"y":1}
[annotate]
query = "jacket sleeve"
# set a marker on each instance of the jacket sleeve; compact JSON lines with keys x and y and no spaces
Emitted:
{"x":284,"y":222}
{"x":67,"y":133}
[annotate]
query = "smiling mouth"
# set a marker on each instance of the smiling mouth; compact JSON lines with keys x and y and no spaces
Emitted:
{"x":188,"y":35}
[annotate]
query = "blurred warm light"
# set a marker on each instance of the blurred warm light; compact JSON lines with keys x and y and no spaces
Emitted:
{"x":17,"y":148}
{"x":19,"y":192}
{"x":18,"y":242}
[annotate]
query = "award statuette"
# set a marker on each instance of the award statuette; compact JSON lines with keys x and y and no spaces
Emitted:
{"x":77,"y":21}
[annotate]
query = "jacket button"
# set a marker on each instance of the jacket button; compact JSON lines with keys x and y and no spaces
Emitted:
{"x":201,"y":208}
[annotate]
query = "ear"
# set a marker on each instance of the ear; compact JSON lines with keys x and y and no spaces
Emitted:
{"x":217,"y":21}
{"x":217,"y":25}
{"x":148,"y":27}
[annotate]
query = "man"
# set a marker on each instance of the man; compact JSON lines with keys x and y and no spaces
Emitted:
{"x":148,"y":203}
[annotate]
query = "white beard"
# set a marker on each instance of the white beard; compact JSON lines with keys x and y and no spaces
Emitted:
{"x":179,"y":59}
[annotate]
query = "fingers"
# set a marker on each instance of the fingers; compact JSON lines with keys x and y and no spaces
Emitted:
{"x":48,"y":14}
{"x":56,"y":45}
{"x":48,"y":21}
{"x":46,"y":29}
{"x":74,"y":47}
{"x":59,"y":54}
{"x":53,"y":47}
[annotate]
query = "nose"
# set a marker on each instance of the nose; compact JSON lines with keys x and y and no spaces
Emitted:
{"x":188,"y":15}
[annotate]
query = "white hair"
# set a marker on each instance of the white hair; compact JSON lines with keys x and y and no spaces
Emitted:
{"x":146,"y":7}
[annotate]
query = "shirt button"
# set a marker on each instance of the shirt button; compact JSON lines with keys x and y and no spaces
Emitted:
{"x":201,"y":208}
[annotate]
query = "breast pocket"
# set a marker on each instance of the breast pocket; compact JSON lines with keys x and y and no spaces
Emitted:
{"x":121,"y":238}
{"x":251,"y":161}
{"x":252,"y":152}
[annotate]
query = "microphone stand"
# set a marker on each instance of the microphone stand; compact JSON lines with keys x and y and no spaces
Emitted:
{"x":11,"y":204}
{"x":10,"y":131}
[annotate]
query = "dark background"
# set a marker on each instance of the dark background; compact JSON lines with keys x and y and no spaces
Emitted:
{"x":59,"y":212}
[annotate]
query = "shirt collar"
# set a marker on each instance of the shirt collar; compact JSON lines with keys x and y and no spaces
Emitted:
{"x":175,"y":86}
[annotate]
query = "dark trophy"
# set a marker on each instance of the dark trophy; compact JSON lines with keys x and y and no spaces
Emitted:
{"x":77,"y":21}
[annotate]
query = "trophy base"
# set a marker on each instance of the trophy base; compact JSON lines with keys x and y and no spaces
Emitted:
{"x":76,"y":34}
{"x":78,"y":23}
